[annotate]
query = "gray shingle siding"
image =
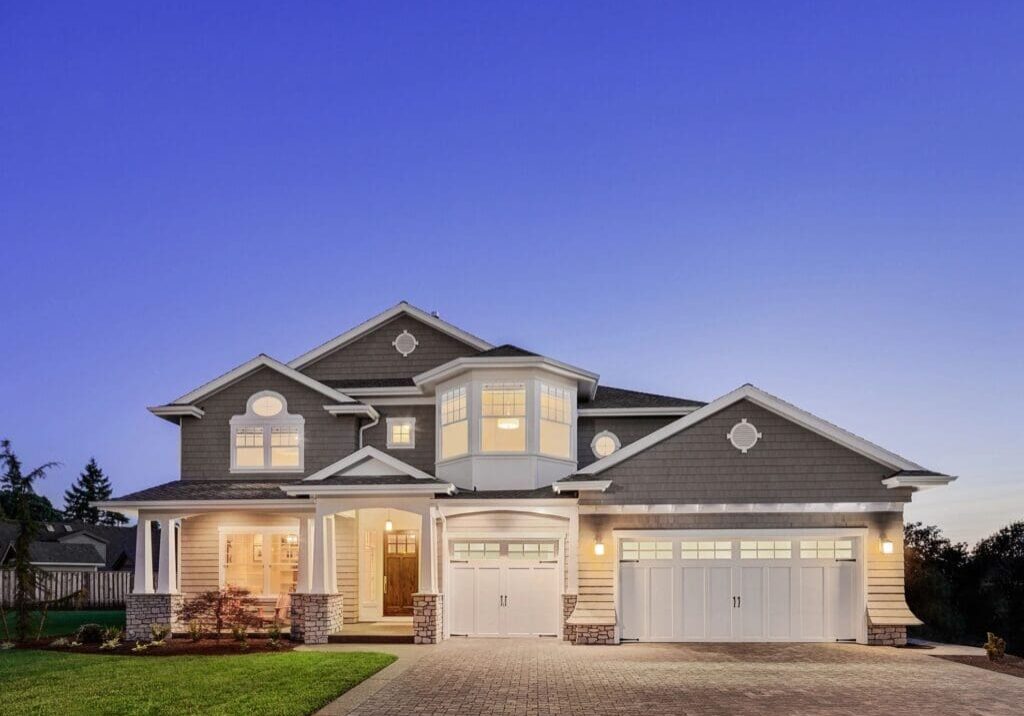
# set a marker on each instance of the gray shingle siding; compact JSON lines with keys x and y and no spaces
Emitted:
{"x":627,"y":430}
{"x":788,"y":464}
{"x":206,"y":442}
{"x":373,"y":355}
{"x":421,"y":456}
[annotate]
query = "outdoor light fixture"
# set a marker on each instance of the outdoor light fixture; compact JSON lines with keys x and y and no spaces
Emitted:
{"x":599,"y":548}
{"x":887,"y":546}
{"x":508,"y":423}
{"x":388,"y":524}
{"x":292,"y":539}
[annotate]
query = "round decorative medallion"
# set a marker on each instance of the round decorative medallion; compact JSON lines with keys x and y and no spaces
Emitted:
{"x":743,"y":435}
{"x":405,"y":343}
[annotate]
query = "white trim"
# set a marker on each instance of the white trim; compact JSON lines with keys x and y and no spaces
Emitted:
{"x":176,"y":411}
{"x":581,"y":486}
{"x":283,"y":419}
{"x":411,"y":400}
{"x":605,"y":434}
{"x":918,"y":482}
{"x":409,"y":390}
{"x":260,"y":361}
{"x":382,"y":318}
{"x":130,"y":508}
{"x":745,"y":532}
{"x":768,"y":402}
{"x":352,"y":409}
{"x":411,"y":422}
{"x":634,"y":412}
{"x":366,"y":453}
{"x":411,"y":488}
{"x":586,"y":380}
{"x":751,"y":508}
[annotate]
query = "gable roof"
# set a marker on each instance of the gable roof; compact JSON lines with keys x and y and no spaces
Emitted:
{"x":402,"y":308}
{"x":60,"y":553}
{"x":768,"y":402}
{"x":239,"y":372}
{"x":390,"y":466}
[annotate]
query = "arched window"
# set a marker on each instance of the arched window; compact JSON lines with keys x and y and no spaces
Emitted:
{"x":267,"y":438}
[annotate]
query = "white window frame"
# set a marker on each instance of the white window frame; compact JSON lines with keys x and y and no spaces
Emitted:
{"x":268,"y":534}
{"x":481,"y":417}
{"x":411,"y":422}
{"x":605,"y":434}
{"x":282,"y":420}
{"x":559,"y":393}
{"x":442,"y":422}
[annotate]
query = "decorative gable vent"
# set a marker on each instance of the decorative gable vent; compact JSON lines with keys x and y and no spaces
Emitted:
{"x":405,"y":343}
{"x":743,"y":435}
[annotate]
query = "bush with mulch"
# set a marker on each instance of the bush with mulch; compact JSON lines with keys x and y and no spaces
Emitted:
{"x":173,"y":647}
{"x":1012,"y":665}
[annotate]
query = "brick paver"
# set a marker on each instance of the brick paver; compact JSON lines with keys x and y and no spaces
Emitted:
{"x":540,"y":677}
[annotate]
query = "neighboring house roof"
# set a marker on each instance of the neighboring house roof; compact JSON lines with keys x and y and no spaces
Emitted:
{"x":609,"y":398}
{"x":120,"y":541}
{"x":769,"y":402}
{"x":402,"y":308}
{"x":58,"y":553}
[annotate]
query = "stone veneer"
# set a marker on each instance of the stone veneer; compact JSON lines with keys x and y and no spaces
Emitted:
{"x":314,"y":617}
{"x":879,"y":635}
{"x":594,"y":634}
{"x":568,"y":605}
{"x":144,"y":610}
{"x":427,"y":619}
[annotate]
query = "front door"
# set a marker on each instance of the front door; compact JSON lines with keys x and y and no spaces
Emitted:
{"x":401,"y":572}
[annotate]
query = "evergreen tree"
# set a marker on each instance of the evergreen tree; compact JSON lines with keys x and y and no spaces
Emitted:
{"x":92,"y":485}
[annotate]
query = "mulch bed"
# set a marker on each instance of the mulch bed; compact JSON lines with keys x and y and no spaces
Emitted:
{"x":177,"y":647}
{"x":1012,"y":665}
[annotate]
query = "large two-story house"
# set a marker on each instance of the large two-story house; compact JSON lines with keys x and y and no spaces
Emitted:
{"x":409,"y":472}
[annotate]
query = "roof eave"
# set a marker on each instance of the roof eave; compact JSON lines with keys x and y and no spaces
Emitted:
{"x":918,"y":482}
{"x":429,"y":488}
{"x":586,"y":380}
{"x":581,"y":486}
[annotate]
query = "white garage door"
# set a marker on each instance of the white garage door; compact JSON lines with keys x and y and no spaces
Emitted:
{"x":504,"y":589}
{"x":777,"y":589}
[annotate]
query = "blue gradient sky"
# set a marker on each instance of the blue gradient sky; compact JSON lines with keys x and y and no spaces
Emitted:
{"x":824,"y":199}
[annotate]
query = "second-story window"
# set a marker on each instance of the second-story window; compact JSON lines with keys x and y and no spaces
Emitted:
{"x":503,"y":418}
{"x":454,"y":423}
{"x":267,"y":438}
{"x":555,"y":421}
{"x":401,"y":433}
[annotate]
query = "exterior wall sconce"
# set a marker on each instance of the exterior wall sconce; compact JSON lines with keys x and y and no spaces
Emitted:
{"x":599,"y":547}
{"x":887,"y":546}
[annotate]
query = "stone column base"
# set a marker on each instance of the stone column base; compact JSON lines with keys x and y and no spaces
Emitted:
{"x":143,"y":610}
{"x":594,"y":634}
{"x":427,"y":618}
{"x":568,"y":606}
{"x":314,"y":617}
{"x":887,"y":635}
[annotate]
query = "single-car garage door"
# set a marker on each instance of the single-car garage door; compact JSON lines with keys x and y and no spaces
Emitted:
{"x":750,"y":588}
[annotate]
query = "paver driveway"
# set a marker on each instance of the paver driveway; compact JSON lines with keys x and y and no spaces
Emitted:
{"x":537,"y":676}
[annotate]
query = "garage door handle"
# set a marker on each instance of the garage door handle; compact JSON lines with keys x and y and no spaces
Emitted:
{"x":739,"y":602}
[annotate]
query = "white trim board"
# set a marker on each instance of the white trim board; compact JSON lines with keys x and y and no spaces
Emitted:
{"x":176,"y":411}
{"x":260,"y":361}
{"x":380,"y":319}
{"x":741,"y":508}
{"x":768,"y":402}
{"x":431,"y":488}
{"x":586,"y":381}
{"x":581,"y":486}
{"x":918,"y":482}
{"x":634,"y":412}
{"x":367,"y":453}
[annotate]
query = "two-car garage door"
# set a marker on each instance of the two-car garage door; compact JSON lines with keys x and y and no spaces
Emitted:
{"x":739,"y":589}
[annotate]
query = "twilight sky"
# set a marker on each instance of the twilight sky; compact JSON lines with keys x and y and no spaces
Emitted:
{"x":823,"y":199}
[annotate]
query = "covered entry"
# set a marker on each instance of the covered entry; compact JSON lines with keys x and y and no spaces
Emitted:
{"x":747,"y":585}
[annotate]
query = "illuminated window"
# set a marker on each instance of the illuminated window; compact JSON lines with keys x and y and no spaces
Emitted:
{"x":454,"y":423}
{"x":706,"y":550}
{"x":503,"y":418}
{"x":826,"y":549}
{"x":766,"y":549}
{"x":265,"y":562}
{"x":555,"y":421}
{"x":401,"y":433}
{"x":646,"y":550}
{"x":531,"y":550}
{"x":476,"y":550}
{"x":266,"y":438}
{"x":604,"y":444}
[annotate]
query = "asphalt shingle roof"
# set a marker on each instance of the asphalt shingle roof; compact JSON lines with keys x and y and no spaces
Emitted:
{"x":506,"y":350}
{"x":63,"y":553}
{"x":210,"y":490}
{"x":609,"y":397}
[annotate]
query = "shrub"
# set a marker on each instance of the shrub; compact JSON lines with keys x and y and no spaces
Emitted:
{"x":274,"y":632}
{"x":90,"y":634}
{"x":995,"y":647}
{"x":113,"y":633}
{"x":195,"y":630}
{"x":222,"y":609}
{"x":159,"y":632}
{"x":140,"y":646}
{"x":239,"y":632}
{"x":5,"y":645}
{"x":111,"y":643}
{"x":62,"y":641}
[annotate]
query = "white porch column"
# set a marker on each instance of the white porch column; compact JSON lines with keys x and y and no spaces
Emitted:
{"x":572,"y":556}
{"x":143,"y":557}
{"x":323,"y":553}
{"x":167,"y":580}
{"x":305,"y":555}
{"x":428,"y":568}
{"x":332,"y":555}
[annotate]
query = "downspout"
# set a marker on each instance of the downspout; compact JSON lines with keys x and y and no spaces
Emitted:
{"x":368,"y":425}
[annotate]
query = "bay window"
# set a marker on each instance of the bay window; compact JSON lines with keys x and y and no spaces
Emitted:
{"x":555,"y":421}
{"x":454,"y":423}
{"x":265,"y":561}
{"x":267,"y":438}
{"x":503,"y":418}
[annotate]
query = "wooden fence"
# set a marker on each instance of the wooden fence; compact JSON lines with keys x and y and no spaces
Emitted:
{"x":103,"y":590}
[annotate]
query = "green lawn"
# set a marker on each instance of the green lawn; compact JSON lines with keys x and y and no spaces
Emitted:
{"x":63,"y":623}
{"x":297,"y":682}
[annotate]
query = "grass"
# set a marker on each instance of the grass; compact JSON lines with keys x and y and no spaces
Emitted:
{"x":66,"y":622}
{"x":297,"y":682}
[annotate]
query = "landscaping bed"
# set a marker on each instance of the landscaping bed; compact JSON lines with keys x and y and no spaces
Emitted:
{"x":1012,"y":665}
{"x":175,"y":647}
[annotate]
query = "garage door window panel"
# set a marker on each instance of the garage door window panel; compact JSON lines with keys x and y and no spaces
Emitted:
{"x":706,"y":550}
{"x":646,"y":550}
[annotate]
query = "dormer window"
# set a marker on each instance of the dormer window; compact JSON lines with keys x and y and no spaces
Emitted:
{"x":267,"y":438}
{"x":503,"y":417}
{"x":454,"y":423}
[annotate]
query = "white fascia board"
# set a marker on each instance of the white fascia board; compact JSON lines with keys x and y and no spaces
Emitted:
{"x":404,"y":390}
{"x":418,"y":400}
{"x":586,"y":380}
{"x":768,"y":402}
{"x":313,"y":489}
{"x":633,"y":412}
{"x":382,"y":318}
{"x":176,"y":411}
{"x":367,"y":453}
{"x":743,"y":508}
{"x":260,"y":361}
{"x":581,"y":486}
{"x":352,"y":409}
{"x":919,"y":482}
{"x":188,"y":506}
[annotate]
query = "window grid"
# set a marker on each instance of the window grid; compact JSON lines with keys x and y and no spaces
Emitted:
{"x":646,"y":550}
{"x":554,"y":404}
{"x":531,"y":550}
{"x":826,"y":549}
{"x":401,"y":432}
{"x":706,"y":550}
{"x":453,"y":406}
{"x":249,"y":437}
{"x":766,"y":549}
{"x":284,"y":437}
{"x":504,"y":400}
{"x":476,"y":550}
